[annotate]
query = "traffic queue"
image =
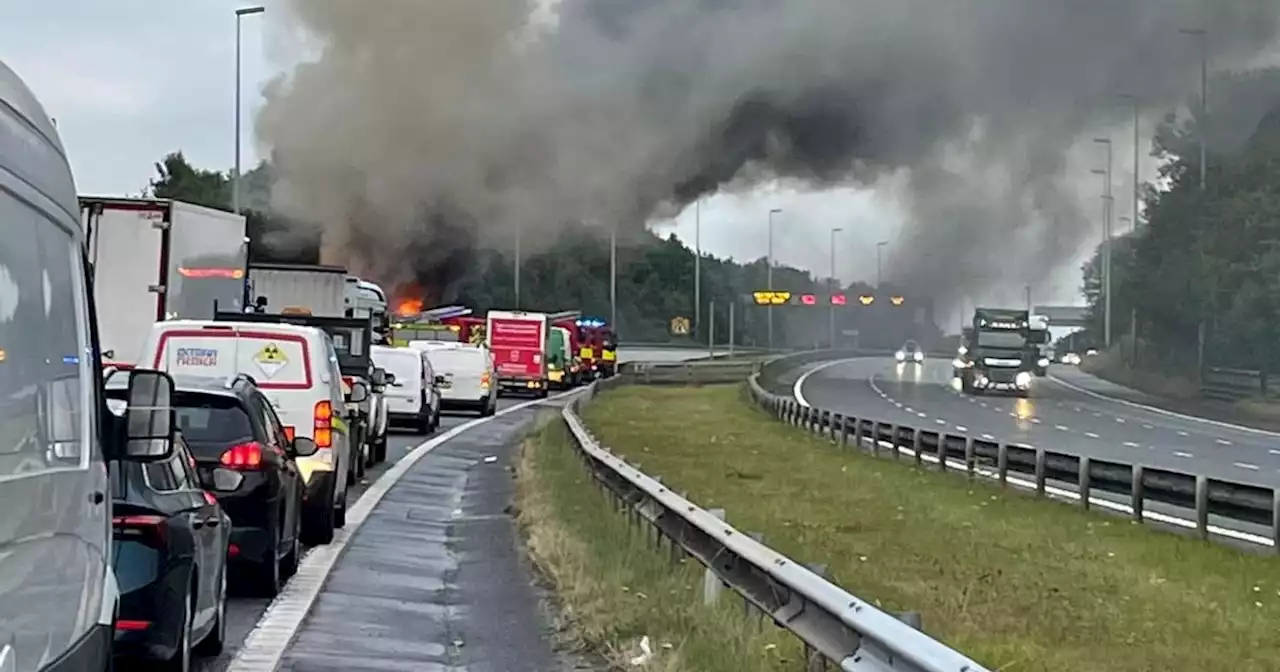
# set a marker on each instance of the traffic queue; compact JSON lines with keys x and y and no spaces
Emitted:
{"x":176,"y":420}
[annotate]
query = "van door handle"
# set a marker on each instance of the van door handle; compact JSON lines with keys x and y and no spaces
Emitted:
{"x":212,"y":522}
{"x":97,"y":497}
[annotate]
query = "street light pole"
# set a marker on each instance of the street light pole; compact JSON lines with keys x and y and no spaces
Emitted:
{"x":613,"y":278}
{"x":235,"y":177}
{"x":769,"y":308}
{"x":879,"y":267}
{"x":517,"y":268}
{"x":1107,"y":200}
{"x":834,"y":284}
{"x":697,"y":267}
{"x":1137,"y":151}
{"x":1202,"y":122}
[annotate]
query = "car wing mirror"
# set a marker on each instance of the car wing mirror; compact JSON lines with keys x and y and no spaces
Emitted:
{"x":149,"y":418}
{"x":359,"y":393}
{"x":379,"y":377}
{"x":304,"y":447}
{"x":440,"y":380}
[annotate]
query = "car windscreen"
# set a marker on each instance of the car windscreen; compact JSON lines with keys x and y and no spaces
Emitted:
{"x":1001,"y":339}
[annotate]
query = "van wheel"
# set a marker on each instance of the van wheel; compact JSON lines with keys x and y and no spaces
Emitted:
{"x":318,"y":527}
{"x":215,"y":641}
{"x":380,"y":450}
{"x":289,"y":563}
{"x":488,"y":409}
{"x":435,"y":419}
{"x":268,"y":575}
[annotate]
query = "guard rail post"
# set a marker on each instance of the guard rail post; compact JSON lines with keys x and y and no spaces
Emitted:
{"x":844,"y":431}
{"x":1137,"y":497}
{"x":1002,"y":464}
{"x":917,"y":444}
{"x":969,"y":461}
{"x":1083,"y":482}
{"x":1202,"y":507}
{"x":1040,"y":471}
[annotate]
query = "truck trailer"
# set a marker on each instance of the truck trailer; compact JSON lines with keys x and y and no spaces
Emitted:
{"x":157,"y":259}
{"x":519,"y":342}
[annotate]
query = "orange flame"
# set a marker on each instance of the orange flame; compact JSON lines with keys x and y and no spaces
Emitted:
{"x":409,"y":307}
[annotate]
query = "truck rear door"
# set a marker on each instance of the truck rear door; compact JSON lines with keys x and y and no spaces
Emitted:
{"x":517,"y":346}
{"x":127,"y":248}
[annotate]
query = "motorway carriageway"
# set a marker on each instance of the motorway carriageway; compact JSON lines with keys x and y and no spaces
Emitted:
{"x":1061,"y":414}
{"x":243,"y":613}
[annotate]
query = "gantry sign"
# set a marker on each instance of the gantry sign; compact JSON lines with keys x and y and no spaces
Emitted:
{"x":780,"y":298}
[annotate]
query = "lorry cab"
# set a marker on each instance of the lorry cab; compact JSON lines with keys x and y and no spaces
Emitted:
{"x":58,"y":440}
{"x":996,"y":356}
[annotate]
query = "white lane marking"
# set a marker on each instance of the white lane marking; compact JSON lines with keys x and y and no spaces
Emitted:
{"x":988,"y":437}
{"x":898,"y":404}
{"x":1222,"y":442}
{"x":1062,"y":493}
{"x":1091,"y":435}
{"x":1131,"y":444}
{"x":1246,"y":465}
{"x":1179,"y":453}
{"x":940,"y":421}
{"x":1097,"y":415}
{"x":1148,"y":427}
{"x":1273,"y":451}
{"x":1062,"y":428}
{"x":267,"y":643}
{"x":1183,"y":434}
{"x":1161,"y":411}
{"x":1035,"y":421}
{"x":909,"y":409}
{"x":982,"y":404}
{"x":797,"y":390}
{"x":961,"y":428}
{"x":923,"y":415}
{"x":1120,"y":420}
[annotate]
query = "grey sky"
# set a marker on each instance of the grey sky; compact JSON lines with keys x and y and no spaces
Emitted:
{"x":130,"y":80}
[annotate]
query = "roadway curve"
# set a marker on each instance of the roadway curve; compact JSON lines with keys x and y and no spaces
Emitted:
{"x":1062,"y":414}
{"x":243,"y":612}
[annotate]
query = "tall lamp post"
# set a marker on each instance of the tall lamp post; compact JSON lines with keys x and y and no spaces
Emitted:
{"x":1107,"y":199}
{"x":879,"y":263}
{"x":769,"y":309}
{"x":697,"y":267}
{"x":1137,"y":151}
{"x":235,"y":179}
{"x":1202,"y":121}
{"x":834,"y":284}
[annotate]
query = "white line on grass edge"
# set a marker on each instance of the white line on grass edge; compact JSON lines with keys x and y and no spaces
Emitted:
{"x":1060,"y":493}
{"x":267,"y":643}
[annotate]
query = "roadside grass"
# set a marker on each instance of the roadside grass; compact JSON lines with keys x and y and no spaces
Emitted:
{"x":1018,"y":583}
{"x":613,"y":587}
{"x":1111,"y":365}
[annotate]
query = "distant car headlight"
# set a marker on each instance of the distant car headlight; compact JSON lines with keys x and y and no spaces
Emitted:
{"x":963,"y":350}
{"x":1044,"y":362}
{"x":900,"y":355}
{"x":918,"y":356}
{"x":1023,"y":379}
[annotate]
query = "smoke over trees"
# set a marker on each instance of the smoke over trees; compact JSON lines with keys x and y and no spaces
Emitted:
{"x":424,"y":130}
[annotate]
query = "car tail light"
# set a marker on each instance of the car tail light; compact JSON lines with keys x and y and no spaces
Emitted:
{"x":150,"y":530}
{"x":289,"y":432}
{"x":132,"y":626}
{"x":243,"y":457}
{"x":484,"y":379}
{"x":323,"y":435}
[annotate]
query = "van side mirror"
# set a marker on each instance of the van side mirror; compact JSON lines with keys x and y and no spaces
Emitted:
{"x":379,"y":378}
{"x":359,"y":393}
{"x":149,"y":418}
{"x":440,"y":380}
{"x":391,"y":378}
{"x":304,"y":447}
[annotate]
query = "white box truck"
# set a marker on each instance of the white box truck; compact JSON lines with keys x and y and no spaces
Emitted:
{"x":319,"y":289}
{"x":156,"y":259}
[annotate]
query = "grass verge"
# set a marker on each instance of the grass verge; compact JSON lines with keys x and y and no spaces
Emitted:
{"x":614,"y":587}
{"x":1020,"y":584}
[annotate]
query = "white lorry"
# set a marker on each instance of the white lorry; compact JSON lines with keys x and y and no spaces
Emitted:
{"x":158,"y":259}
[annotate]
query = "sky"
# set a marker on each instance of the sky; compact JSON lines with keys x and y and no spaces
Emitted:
{"x":129,"y":81}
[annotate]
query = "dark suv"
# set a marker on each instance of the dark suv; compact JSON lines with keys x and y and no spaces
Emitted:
{"x":247,"y":459}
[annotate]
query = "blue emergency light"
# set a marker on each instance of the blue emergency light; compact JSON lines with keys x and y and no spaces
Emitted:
{"x":591,"y":322}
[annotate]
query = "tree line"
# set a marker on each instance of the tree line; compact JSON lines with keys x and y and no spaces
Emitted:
{"x":655,"y":278}
{"x":1197,"y":280}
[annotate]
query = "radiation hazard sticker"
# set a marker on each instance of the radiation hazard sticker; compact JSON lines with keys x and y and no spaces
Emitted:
{"x":271,"y":359}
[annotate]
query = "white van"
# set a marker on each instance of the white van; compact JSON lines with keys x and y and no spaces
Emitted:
{"x":296,"y":367}
{"x":413,"y":395}
{"x":467,"y":377}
